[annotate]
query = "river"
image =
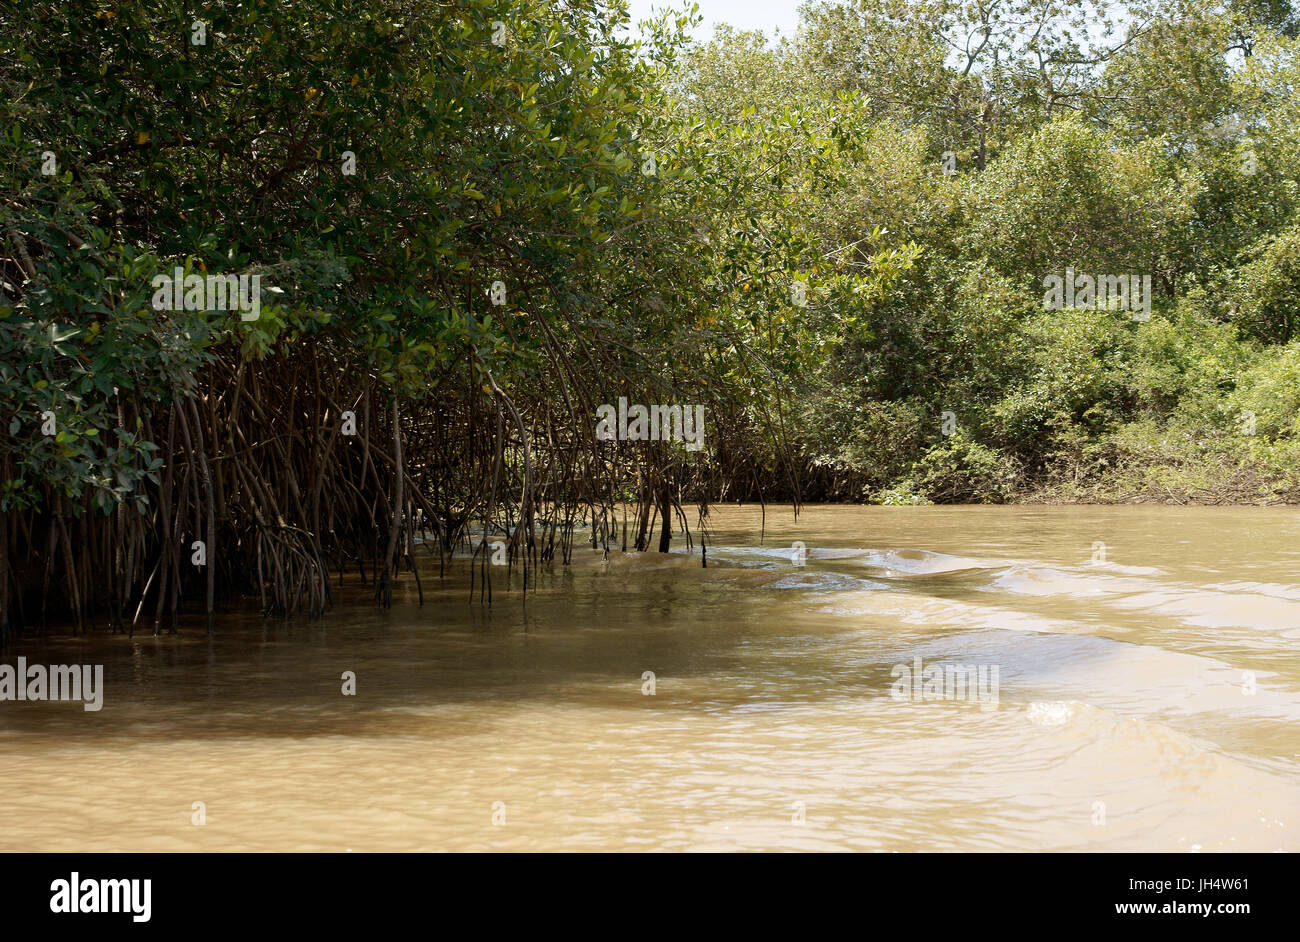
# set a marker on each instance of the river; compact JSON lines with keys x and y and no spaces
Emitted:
{"x":1141,"y":691}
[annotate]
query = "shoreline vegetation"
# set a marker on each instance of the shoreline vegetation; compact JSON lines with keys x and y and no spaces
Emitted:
{"x":285,"y":286}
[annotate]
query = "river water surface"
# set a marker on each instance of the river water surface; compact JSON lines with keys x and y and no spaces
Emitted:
{"x":1148,"y":698}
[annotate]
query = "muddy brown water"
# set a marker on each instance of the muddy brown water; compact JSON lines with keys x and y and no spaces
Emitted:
{"x":1148,"y":698}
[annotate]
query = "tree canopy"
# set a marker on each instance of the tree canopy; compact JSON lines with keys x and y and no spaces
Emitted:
{"x":472,"y":224}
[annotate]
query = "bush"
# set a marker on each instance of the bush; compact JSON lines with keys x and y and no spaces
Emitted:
{"x":962,"y":470}
{"x":901,"y":495}
{"x":1270,"y":392}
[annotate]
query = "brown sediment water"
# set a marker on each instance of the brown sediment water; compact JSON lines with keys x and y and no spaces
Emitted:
{"x":1148,"y":698}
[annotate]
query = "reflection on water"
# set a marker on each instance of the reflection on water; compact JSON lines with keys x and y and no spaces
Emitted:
{"x":1149,"y":698}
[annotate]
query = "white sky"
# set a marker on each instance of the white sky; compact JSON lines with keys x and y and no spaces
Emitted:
{"x":766,"y":15}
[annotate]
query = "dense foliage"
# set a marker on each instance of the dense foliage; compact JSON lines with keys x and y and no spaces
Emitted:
{"x":1009,"y":141}
{"x":474,"y":223}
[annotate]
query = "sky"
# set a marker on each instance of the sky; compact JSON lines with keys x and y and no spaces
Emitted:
{"x":745,"y":14}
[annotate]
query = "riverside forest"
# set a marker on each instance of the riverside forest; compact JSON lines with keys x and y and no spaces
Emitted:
{"x":404,"y":319}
